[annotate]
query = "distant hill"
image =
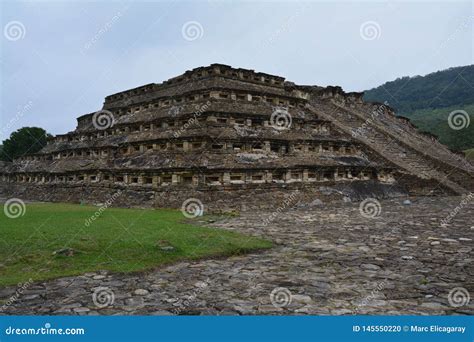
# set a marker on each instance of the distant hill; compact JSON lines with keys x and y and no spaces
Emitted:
{"x":446,"y":88}
{"x":428,"y":100}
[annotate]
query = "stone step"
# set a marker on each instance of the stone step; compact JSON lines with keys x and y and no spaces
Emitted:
{"x":386,"y":145}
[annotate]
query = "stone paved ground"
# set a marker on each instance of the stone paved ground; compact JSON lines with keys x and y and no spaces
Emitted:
{"x":331,"y":259}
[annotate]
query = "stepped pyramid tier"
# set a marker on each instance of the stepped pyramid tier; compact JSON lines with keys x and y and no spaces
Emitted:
{"x":236,"y":138}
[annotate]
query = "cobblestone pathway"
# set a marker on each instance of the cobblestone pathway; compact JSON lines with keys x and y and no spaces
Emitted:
{"x":326,"y":260}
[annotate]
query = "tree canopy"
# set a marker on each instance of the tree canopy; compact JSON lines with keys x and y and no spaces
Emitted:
{"x":446,"y":88}
{"x":26,"y":140}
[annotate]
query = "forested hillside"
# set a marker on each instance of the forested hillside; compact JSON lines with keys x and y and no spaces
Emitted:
{"x":429,"y":100}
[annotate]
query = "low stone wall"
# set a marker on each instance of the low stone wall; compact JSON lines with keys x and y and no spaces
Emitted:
{"x":215,"y":199}
{"x":422,"y":187}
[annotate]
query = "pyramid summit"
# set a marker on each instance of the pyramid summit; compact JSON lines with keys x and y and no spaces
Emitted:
{"x":236,"y":138}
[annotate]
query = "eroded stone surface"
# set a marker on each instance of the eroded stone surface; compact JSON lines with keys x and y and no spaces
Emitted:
{"x":328,"y":259}
{"x":235,"y":139}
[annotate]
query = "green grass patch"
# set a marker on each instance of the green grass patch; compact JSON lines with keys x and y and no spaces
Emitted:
{"x":119,"y":240}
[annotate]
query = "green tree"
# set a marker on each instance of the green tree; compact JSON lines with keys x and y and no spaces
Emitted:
{"x":26,"y":140}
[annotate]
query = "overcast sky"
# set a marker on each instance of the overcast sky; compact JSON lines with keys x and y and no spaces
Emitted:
{"x":60,"y":59}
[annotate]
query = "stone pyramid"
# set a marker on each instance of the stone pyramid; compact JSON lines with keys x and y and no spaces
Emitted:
{"x":234,"y":138}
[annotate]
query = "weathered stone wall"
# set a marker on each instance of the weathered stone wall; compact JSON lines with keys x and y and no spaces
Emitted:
{"x":397,"y":142}
{"x":239,"y":197}
{"x":214,"y":133}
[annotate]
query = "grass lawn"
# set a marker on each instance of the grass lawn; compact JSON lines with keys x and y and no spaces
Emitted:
{"x":120,"y":240}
